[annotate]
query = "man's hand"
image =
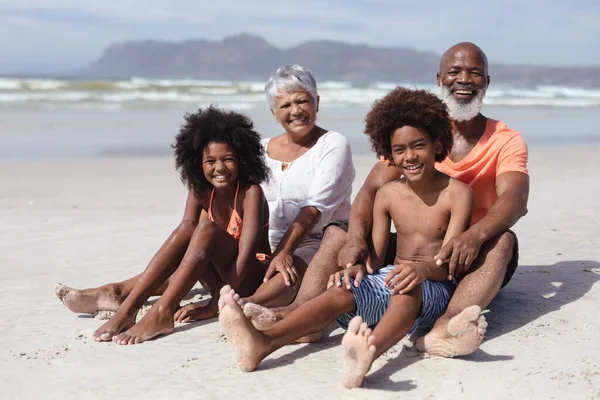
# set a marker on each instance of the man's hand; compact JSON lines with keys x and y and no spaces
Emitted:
{"x":354,"y":250}
{"x":194,"y":312}
{"x":356,"y":272}
{"x":284,"y":264}
{"x":460,"y":252}
{"x":405,"y":277}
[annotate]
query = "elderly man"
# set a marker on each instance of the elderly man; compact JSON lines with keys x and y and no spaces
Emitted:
{"x":488,"y":156}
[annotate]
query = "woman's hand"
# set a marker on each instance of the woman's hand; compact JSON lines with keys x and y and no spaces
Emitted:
{"x":284,"y":264}
{"x":356,"y":272}
{"x":194,"y":312}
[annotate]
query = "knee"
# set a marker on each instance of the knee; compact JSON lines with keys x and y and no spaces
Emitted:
{"x":205,"y":227}
{"x":333,"y":233}
{"x":506,"y":243}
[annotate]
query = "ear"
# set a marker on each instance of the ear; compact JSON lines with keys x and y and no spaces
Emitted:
{"x":488,"y":80}
{"x":438,"y":147}
{"x":318,"y":100}
{"x":438,"y":79}
{"x":275,"y":115}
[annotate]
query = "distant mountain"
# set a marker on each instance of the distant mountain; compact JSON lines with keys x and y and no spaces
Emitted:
{"x":249,"y":57}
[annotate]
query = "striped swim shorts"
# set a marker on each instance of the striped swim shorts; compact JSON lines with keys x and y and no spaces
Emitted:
{"x":373,"y":298}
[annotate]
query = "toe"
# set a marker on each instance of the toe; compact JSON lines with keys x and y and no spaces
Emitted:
{"x":355,"y":324}
{"x":225,"y":289}
{"x":363,"y":328}
{"x":472,"y":313}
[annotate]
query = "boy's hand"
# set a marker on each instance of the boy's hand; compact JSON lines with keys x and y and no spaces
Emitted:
{"x":405,"y":277}
{"x":357,"y":272}
{"x":459,"y":253}
{"x":284,"y":264}
{"x":355,"y":249}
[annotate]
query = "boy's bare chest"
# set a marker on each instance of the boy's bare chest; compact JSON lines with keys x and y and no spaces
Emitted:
{"x":430,"y":222}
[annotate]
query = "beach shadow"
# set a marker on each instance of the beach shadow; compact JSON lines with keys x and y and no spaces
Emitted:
{"x":327,"y":341}
{"x":536,"y":290}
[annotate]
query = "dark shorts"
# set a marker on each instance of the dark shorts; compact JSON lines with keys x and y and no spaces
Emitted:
{"x":390,"y":254}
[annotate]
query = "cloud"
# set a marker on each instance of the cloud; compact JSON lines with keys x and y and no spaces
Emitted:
{"x":72,"y":33}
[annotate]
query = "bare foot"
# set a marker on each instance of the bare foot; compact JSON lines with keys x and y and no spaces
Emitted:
{"x":462,"y":335}
{"x":228,"y":290}
{"x":156,"y":322}
{"x":87,"y":301}
{"x":117,"y":324}
{"x":251,"y":345}
{"x":360,"y":353}
{"x":262,"y":318}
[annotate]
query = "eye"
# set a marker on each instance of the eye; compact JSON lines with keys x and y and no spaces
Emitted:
{"x":419,"y":145}
{"x":453,"y":73}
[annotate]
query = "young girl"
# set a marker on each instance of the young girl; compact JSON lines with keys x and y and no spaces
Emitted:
{"x":411,"y":129}
{"x":222,"y":240}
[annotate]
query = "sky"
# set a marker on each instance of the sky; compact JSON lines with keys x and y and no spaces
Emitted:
{"x":63,"y":35}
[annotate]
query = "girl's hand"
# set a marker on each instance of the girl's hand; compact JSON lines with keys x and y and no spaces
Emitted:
{"x":194,"y":312}
{"x":405,"y":277}
{"x":284,"y":264}
{"x":356,"y":272}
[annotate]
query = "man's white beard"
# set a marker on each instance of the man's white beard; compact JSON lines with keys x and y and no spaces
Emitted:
{"x":459,"y":111}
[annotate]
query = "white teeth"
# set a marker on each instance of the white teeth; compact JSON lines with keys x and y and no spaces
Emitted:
{"x":412,"y":167}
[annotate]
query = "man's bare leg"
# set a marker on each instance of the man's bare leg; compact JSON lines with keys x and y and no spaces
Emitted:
{"x":252,"y":345}
{"x":314,"y":283}
{"x":459,"y":333}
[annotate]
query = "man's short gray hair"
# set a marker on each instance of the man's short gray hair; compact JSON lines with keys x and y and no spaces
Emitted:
{"x":290,"y":78}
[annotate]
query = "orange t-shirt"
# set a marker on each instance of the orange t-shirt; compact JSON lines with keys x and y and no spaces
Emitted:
{"x":499,"y":150}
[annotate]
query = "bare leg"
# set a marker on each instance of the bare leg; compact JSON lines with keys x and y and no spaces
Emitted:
{"x":461,"y":329}
{"x":362,"y":346}
{"x":110,"y":297}
{"x":275,"y":292}
{"x":314,"y":283}
{"x":252,"y":345}
{"x":151,"y":281}
{"x":204,"y":256}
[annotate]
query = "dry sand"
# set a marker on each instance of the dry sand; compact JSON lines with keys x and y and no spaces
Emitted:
{"x":85,"y":223}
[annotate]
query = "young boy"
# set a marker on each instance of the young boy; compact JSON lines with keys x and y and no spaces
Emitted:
{"x":410,"y":128}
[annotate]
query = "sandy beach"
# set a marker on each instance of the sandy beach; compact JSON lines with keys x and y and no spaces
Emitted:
{"x":88,"y":222}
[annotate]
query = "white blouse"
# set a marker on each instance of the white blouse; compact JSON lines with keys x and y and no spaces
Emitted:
{"x":322,"y":177}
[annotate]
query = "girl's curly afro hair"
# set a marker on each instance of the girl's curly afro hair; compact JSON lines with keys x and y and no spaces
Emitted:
{"x":405,"y":107}
{"x":210,"y":125}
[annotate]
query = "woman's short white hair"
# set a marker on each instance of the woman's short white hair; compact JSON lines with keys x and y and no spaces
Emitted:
{"x":290,"y":78}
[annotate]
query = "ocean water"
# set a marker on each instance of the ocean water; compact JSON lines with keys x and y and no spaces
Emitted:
{"x":55,"y":119}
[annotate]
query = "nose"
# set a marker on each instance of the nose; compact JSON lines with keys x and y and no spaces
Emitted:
{"x":219,"y":166}
{"x":409,"y":154}
{"x":295,"y":109}
{"x":465,"y":77}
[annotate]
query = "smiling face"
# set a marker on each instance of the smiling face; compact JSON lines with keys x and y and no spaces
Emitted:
{"x":220,"y":164}
{"x":463,"y":80}
{"x":413,"y":152}
{"x":296,"y":112}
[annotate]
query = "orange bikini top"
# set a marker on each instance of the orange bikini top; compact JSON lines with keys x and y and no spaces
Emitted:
{"x":234,"y":228}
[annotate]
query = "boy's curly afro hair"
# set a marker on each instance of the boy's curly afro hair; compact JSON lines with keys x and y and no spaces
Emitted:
{"x":215,"y":125}
{"x":405,"y":107}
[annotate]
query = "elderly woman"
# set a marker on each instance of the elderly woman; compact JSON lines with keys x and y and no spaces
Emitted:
{"x":312,"y":175}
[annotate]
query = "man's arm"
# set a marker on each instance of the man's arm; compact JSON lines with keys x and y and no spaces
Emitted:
{"x":360,"y":222}
{"x":512,"y":189}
